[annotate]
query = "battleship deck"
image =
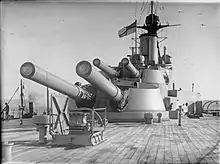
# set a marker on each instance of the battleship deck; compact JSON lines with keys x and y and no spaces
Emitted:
{"x":196,"y":141}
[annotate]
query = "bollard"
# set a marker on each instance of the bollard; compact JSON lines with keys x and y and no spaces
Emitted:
{"x":148,"y":118}
{"x":6,"y":151}
{"x":41,"y":126}
{"x":42,"y":133}
{"x":159,"y":115}
{"x":179,"y":120}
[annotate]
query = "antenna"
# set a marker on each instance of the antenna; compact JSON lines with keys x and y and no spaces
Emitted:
{"x":152,"y":11}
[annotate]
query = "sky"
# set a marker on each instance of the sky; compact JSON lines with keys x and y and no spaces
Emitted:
{"x":56,"y":36}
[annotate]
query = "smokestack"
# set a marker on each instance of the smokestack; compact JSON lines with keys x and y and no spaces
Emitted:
{"x":164,"y":50}
{"x":31,"y":107}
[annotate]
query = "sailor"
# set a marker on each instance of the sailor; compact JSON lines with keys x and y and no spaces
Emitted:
{"x":171,"y":106}
{"x":176,"y":105}
{"x":184,"y":107}
{"x":180,"y":113}
{"x":21,"y":114}
{"x":6,"y":109}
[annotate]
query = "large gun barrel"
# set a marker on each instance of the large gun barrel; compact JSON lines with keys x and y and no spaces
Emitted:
{"x":105,"y":68}
{"x":129,"y":66}
{"x":85,"y":70}
{"x":37,"y":74}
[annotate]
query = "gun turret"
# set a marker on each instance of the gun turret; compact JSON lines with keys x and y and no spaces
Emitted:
{"x":129,"y":66}
{"x":30,"y":71}
{"x":85,"y":70}
{"x":105,"y":68}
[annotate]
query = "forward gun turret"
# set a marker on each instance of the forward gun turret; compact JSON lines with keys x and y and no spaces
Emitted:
{"x":45,"y":78}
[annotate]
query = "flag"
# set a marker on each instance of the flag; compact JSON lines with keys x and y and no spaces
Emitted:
{"x":128,"y":29}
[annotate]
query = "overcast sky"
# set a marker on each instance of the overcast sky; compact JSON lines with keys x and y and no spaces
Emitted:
{"x":56,"y":36}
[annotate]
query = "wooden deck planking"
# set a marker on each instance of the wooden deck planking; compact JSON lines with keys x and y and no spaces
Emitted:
{"x":198,"y":148}
{"x":188,"y":149}
{"x":207,"y":139}
{"x":161,"y":145}
{"x":96,"y":153}
{"x":130,"y":146}
{"x":216,"y":153}
{"x":19,"y":150}
{"x":202,"y":145}
{"x":23,"y":155}
{"x":168,"y":157}
{"x":53,"y":153}
{"x":186,"y":143}
{"x":174,"y":148}
{"x":140,"y":155}
{"x":195,"y":141}
{"x":139,"y":147}
{"x":36,"y":155}
{"x":103,"y":149}
{"x":14,"y":136}
{"x":210,"y":155}
{"x":75,"y":155}
{"x":194,"y":148}
{"x":119,"y":147}
{"x":152,"y":153}
{"x":210,"y":143}
{"x":122,"y":146}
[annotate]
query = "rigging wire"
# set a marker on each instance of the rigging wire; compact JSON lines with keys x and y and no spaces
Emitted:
{"x":135,"y":12}
{"x":162,"y":32}
{"x":143,"y":8}
{"x":156,"y":8}
{"x":141,"y":11}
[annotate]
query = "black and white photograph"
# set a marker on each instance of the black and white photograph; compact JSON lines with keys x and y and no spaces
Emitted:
{"x":110,"y":82}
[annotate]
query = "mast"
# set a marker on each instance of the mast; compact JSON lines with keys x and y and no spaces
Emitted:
{"x":48,"y":102}
{"x":164,"y":51}
{"x":21,"y":94}
{"x":21,"y":103}
{"x":135,"y":46}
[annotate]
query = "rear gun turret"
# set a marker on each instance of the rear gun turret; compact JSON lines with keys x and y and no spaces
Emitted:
{"x":85,"y":70}
{"x":105,"y":68}
{"x":131,"y":69}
